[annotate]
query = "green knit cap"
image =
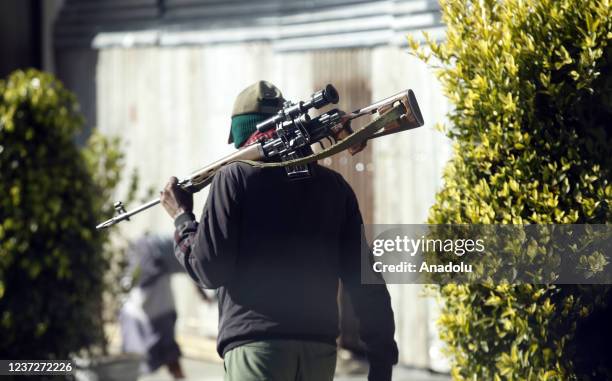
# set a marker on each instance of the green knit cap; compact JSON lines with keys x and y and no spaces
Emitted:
{"x":243,"y":126}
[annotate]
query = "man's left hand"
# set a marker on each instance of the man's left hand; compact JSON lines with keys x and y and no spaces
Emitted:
{"x":175,"y":200}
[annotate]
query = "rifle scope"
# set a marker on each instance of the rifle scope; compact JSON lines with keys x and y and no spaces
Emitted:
{"x":293,"y":110}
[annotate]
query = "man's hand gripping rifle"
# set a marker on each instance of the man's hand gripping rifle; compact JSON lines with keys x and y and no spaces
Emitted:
{"x":300,"y":139}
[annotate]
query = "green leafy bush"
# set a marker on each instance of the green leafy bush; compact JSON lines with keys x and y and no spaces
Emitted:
{"x":532,"y":93}
{"x":52,"y":195}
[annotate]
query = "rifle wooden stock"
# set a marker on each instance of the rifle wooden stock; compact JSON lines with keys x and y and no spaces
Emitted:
{"x":411,"y":118}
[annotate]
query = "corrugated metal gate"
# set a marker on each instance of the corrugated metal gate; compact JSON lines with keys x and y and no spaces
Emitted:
{"x":349,"y":70}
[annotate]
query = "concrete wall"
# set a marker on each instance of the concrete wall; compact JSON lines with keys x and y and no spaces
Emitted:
{"x":172,"y":107}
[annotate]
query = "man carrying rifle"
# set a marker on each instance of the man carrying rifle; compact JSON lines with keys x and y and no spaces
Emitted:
{"x":275,"y":249}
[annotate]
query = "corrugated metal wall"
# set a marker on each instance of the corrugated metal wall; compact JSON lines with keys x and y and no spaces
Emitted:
{"x":288,"y":24}
{"x":349,"y":70}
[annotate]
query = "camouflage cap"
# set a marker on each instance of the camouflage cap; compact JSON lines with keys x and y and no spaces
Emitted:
{"x":262,"y":97}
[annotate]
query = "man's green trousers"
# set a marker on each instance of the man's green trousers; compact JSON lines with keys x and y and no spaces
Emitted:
{"x":281,"y":360}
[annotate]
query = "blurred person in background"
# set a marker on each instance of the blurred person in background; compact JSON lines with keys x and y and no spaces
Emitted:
{"x":148,"y":316}
{"x":276,"y":249}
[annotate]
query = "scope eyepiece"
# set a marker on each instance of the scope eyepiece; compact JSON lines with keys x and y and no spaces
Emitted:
{"x":331,"y":94}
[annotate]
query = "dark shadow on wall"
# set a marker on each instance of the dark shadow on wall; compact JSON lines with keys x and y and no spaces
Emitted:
{"x":76,"y":68}
{"x":24,"y":39}
{"x":20,"y":35}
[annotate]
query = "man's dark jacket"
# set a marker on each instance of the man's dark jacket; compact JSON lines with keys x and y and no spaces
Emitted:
{"x":276,"y":249}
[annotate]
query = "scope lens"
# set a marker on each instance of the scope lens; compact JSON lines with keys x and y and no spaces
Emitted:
{"x":330,"y":94}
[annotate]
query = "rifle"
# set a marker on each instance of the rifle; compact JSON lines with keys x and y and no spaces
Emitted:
{"x":301,"y":139}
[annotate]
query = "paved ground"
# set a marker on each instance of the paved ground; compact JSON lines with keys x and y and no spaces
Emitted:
{"x":197,"y":370}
